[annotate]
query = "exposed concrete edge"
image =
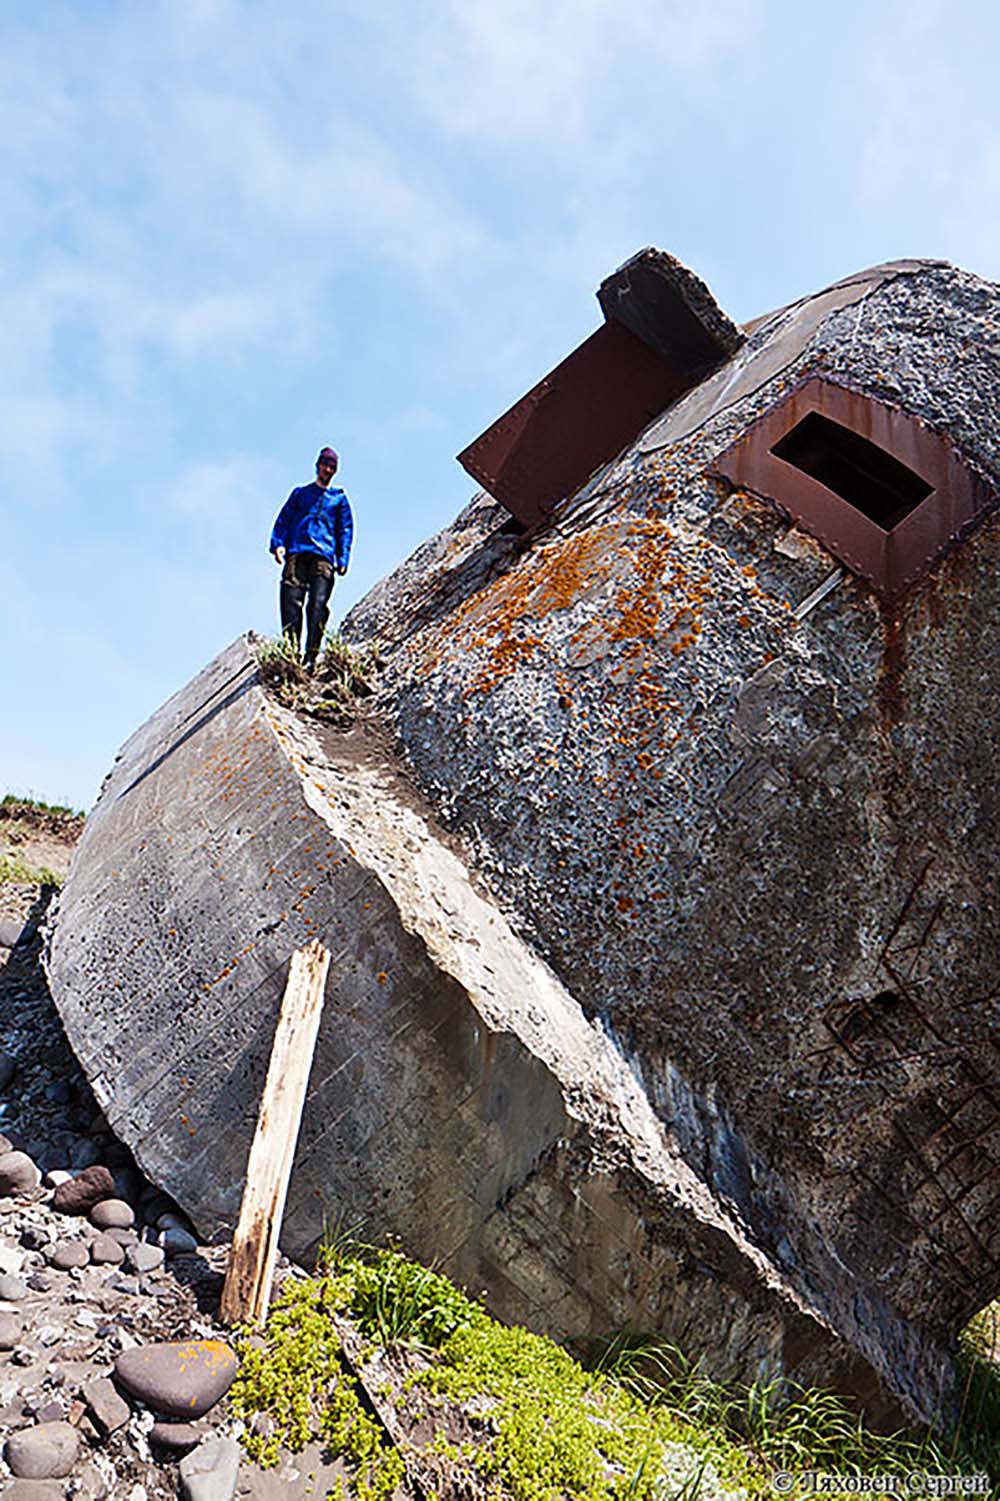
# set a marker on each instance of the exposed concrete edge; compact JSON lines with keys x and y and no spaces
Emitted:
{"x":516,"y":993}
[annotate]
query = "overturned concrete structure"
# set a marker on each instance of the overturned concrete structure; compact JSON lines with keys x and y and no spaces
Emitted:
{"x":664,"y":911}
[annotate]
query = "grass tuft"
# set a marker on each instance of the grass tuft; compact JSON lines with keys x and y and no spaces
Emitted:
{"x":342,"y":675}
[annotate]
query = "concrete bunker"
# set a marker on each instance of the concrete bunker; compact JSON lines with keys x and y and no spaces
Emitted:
{"x":591,"y":1039}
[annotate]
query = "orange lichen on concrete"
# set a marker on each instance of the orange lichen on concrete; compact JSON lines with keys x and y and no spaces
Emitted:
{"x":494,"y":624}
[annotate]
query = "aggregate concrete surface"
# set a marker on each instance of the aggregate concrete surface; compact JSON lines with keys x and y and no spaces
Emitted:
{"x":664,"y":949}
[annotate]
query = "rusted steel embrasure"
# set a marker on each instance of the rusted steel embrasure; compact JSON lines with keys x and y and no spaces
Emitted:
{"x":664,"y":333}
{"x":880,"y":489}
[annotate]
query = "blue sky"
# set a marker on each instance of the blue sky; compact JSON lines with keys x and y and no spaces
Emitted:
{"x":234,"y":231}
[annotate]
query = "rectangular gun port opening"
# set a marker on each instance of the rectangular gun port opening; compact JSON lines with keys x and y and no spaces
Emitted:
{"x":869,"y":478}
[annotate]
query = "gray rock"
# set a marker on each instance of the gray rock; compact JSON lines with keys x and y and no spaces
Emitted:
{"x":209,"y":1473}
{"x":11,"y":1260}
{"x":35,"y":1490}
{"x":106,"y":1252}
{"x":46,"y":1452}
{"x":12,"y":1289}
{"x":10,"y":932}
{"x":123,"y":1237}
{"x":181,"y":1380}
{"x":39,"y":1283}
{"x":69,"y":1254}
{"x":176,"y":1438}
{"x":18,"y":1174}
{"x":108,"y":1408}
{"x":81,"y":1194}
{"x":128,"y":1183}
{"x":176,"y":1242}
{"x":56,"y":1176}
{"x":172,"y":1221}
{"x":112,"y":1214}
{"x":127,"y":1285}
{"x":49,"y":1411}
{"x":48,"y":1335}
{"x":90,"y":1484}
{"x":10,"y":1331}
{"x":141,"y":1258}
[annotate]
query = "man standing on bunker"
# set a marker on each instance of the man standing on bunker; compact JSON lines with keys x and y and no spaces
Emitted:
{"x":312,"y":539}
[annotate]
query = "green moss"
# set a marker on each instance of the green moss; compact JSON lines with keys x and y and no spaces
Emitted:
{"x":644,"y":1424}
{"x":298,"y":1380}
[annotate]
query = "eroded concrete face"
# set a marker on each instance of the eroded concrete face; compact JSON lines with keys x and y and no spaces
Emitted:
{"x":747,"y":811}
{"x":664,"y":962}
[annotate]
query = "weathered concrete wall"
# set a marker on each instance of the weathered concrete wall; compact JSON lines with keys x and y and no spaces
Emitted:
{"x":707,"y":1043}
{"x":756,"y":837}
{"x":459,"y":1097}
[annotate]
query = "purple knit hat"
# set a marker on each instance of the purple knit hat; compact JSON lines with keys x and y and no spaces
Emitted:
{"x":330,"y":455}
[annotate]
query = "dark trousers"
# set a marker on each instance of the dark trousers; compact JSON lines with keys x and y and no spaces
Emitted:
{"x":307,"y":579}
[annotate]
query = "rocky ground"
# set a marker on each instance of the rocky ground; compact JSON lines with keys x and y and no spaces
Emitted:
{"x":111,"y":1364}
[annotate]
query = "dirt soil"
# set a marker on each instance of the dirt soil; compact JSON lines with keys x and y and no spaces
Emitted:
{"x":40,"y":837}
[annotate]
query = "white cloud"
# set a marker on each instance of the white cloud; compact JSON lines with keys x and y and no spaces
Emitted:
{"x":513,"y":69}
{"x":218,"y":493}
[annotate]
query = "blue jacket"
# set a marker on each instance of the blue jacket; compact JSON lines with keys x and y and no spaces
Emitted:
{"x":316,"y":520}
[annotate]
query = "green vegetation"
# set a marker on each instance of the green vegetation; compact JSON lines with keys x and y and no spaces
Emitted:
{"x":330,"y":692}
{"x":24,"y":821}
{"x":515,"y":1416}
{"x":12,"y":806}
{"x":14,"y":871}
{"x":298,"y":1379}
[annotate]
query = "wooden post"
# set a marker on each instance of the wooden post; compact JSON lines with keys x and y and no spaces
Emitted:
{"x":247,"y":1291}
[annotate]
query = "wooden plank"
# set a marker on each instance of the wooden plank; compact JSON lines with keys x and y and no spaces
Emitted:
{"x":247,"y":1291}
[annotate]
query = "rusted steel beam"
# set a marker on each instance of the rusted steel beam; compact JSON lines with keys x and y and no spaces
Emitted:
{"x":664,"y":333}
{"x":584,"y":412}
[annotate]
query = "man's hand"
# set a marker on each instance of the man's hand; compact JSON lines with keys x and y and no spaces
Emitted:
{"x":342,"y":571}
{"x":279,"y":556}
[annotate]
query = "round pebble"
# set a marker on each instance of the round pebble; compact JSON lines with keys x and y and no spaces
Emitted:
{"x":142,"y":1258}
{"x":18,"y":1174}
{"x":107,"y":1252}
{"x":123,"y":1237}
{"x":178,"y":1242}
{"x":12,"y":1289}
{"x":112,"y":1214}
{"x":181,"y":1380}
{"x":69,"y":1254}
{"x":176,"y":1438}
{"x":10,"y":1331}
{"x":86,"y":1153}
{"x":45,"y":1452}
